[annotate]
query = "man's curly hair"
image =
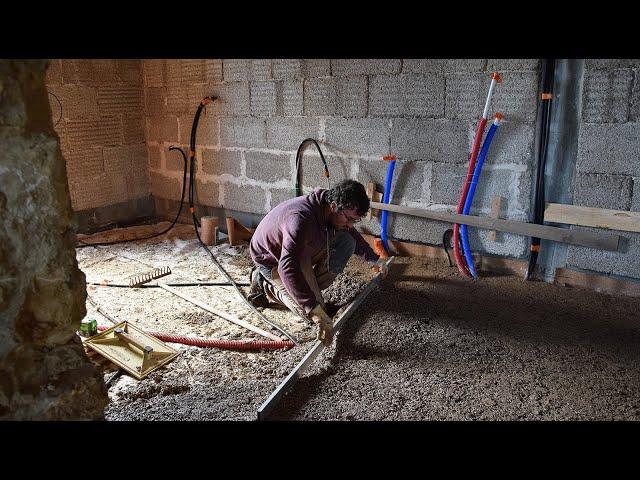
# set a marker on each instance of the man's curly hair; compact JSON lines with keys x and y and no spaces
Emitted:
{"x":349,"y":194}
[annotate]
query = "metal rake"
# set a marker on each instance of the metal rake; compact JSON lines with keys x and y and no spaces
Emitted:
{"x":138,"y":280}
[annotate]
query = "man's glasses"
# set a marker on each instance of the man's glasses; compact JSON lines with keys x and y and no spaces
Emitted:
{"x":352,"y":221}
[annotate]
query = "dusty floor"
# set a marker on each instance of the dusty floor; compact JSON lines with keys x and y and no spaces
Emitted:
{"x":200,"y":384}
{"x":426,"y":345}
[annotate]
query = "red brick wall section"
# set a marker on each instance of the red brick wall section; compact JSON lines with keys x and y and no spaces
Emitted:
{"x":102,"y":129}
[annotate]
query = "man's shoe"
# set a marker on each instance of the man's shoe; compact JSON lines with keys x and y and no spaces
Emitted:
{"x":257,"y":297}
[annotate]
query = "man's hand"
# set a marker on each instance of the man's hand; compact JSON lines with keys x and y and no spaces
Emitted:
{"x":380,"y":266}
{"x":325,"y":324}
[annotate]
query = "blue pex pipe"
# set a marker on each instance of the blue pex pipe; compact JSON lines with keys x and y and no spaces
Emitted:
{"x":469,"y":199}
{"x":385,"y":199}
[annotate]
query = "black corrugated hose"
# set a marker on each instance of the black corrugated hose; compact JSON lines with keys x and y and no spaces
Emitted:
{"x":301,"y":148}
{"x":538,"y":212}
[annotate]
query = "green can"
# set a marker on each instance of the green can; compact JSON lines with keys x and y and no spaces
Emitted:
{"x":88,"y":327}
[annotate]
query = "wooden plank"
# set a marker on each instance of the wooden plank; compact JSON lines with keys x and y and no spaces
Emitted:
{"x":563,"y":235}
{"x":592,"y":217}
{"x":267,"y":407}
{"x":599,"y":283}
{"x":496,"y":207}
{"x":219,"y":313}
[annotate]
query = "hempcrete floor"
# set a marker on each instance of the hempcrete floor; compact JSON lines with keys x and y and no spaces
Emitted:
{"x":425,"y":345}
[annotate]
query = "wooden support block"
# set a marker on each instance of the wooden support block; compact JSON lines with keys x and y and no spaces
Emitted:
{"x":374,"y":196}
{"x":496,"y":207}
{"x":209,"y":225}
{"x":592,"y":217}
{"x":237,"y":232}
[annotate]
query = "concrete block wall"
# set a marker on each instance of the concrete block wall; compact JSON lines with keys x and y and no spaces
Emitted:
{"x":100,"y":121}
{"x":423,"y":111}
{"x":607,"y":168}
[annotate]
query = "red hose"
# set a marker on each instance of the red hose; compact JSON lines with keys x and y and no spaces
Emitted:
{"x":217,"y":343}
{"x":460,"y":261}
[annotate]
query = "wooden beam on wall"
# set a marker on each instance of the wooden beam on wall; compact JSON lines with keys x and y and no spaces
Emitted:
{"x":592,"y":217}
{"x":574,"y":237}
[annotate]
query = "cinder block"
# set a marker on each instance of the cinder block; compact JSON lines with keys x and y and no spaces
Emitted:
{"x":130,"y":71}
{"x":606,"y":96}
{"x":281,"y":195}
{"x":423,"y":65}
{"x":316,"y":67}
{"x":289,"y":98}
{"x":513,"y":142}
{"x":288,"y":133}
{"x":89,"y":72}
{"x":94,"y":194}
{"x":244,"y":198}
{"x":268,"y":167}
{"x":207,"y":193}
{"x":234,"y":98}
{"x":165,"y":187}
{"x":133,"y":130}
{"x":219,"y":162}
{"x":191,"y":71}
{"x":517,"y":96}
{"x":625,"y":262}
{"x":137,"y":180}
{"x":460,"y":65}
{"x":385,"y":95}
{"x":84,"y":164}
{"x":78,"y":102}
{"x":117,"y":161}
{"x":261,"y":69}
{"x":635,"y":203}
{"x":351,"y":96}
{"x":54,"y":72}
{"x":82,"y":134}
{"x":465,"y":95}
{"x":153,"y":71}
{"x":126,"y":101}
{"x":447,"y":182}
{"x":340,"y":169}
{"x":319,"y":96}
{"x":206,"y":134}
{"x":512,"y":64}
{"x":435,"y":140}
{"x":423,"y":95}
{"x":155,"y":159}
{"x":162,"y":129}
{"x":155,"y":101}
{"x":287,"y":69}
{"x":176,"y":100}
{"x":603,"y":191}
{"x":174,"y":161}
{"x":506,"y":244}
{"x":194,"y":95}
{"x":213,"y":71}
{"x":408,"y":179}
{"x":355,"y":67}
{"x":415,"y":229}
{"x":173,"y":72}
{"x":263,"y":99}
{"x":610,"y":63}
{"x":612,"y":148}
{"x":361,"y":136}
{"x":635,"y":100}
{"x":242,"y":132}
{"x":497,"y":183}
{"x":234,"y":70}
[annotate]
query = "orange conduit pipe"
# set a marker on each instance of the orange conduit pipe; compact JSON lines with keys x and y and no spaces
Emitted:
{"x":218,"y":343}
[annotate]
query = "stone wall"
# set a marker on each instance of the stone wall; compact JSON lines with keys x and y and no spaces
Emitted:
{"x":44,"y":373}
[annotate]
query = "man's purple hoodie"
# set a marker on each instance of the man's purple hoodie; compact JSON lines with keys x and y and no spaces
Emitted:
{"x":296,"y":230}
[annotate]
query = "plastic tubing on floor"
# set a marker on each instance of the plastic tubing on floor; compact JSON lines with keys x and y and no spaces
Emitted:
{"x":385,"y":199}
{"x":217,"y":343}
{"x":472,"y":190}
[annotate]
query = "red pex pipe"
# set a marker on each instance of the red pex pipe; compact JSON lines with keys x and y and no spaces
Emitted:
{"x":460,"y":261}
{"x":217,"y":343}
